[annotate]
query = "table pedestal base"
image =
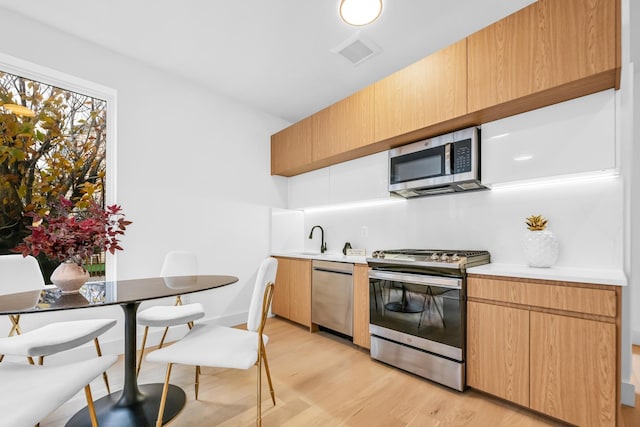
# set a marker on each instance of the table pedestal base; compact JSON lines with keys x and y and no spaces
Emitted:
{"x":112,"y":413}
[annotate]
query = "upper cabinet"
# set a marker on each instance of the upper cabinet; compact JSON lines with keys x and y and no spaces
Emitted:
{"x":343,"y":126}
{"x":291,"y":149}
{"x":549,"y":52}
{"x":555,"y":49}
{"x":428,"y":92}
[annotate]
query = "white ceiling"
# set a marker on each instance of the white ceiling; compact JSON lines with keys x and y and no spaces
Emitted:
{"x":271,"y":54}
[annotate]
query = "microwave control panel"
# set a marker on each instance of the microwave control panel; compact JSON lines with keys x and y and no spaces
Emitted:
{"x":462,"y":156}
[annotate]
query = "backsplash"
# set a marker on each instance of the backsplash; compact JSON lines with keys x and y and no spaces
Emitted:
{"x":585,"y":216}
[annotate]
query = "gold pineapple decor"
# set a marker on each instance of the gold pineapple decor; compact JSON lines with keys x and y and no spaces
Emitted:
{"x":536,"y":223}
{"x":540,"y":245}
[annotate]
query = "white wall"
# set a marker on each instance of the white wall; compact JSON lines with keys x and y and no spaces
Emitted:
{"x":193,"y":169}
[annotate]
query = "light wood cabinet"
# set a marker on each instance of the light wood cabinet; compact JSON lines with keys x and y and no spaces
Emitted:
{"x":550,"y":51}
{"x":498,"y":351}
{"x":291,"y":149}
{"x":361,"y":335}
{"x":573,"y":369}
{"x":547,"y":345}
{"x":292,"y":291}
{"x":343,"y":126}
{"x":428,"y":92}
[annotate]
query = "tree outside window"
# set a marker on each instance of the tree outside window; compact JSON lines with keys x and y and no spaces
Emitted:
{"x":53,"y":144}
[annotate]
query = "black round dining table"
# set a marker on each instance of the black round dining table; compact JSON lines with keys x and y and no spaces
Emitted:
{"x":136,"y":405}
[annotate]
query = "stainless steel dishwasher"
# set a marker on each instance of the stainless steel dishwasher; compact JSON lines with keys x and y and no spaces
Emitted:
{"x":332,"y":296}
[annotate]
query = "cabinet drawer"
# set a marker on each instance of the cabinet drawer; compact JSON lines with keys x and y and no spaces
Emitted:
{"x":560,"y":296}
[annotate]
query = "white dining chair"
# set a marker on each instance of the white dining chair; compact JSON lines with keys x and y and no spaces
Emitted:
{"x":30,"y":393}
{"x":223,"y":347}
{"x":176,"y":263}
{"x":22,"y":274}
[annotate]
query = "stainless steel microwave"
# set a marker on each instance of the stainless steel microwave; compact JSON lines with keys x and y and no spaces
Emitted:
{"x":444,"y":164}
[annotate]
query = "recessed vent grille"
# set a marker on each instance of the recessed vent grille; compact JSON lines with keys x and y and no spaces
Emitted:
{"x":356,"y":49}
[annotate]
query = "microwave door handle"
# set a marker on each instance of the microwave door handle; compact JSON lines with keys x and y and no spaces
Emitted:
{"x":448,"y":159}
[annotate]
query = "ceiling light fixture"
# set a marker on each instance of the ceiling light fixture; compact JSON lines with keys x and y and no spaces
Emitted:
{"x":360,"y":12}
{"x":19,"y":110}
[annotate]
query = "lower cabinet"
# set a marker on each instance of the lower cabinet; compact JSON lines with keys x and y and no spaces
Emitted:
{"x":498,"y":351}
{"x":292,"y":291}
{"x":573,"y":369}
{"x":558,"y":362}
{"x":292,"y":296}
{"x":361,"y":306}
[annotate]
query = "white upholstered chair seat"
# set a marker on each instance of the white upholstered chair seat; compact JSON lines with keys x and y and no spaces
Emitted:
{"x":54,"y":337}
{"x":172,"y":315}
{"x":230,"y":348}
{"x":28,"y":393}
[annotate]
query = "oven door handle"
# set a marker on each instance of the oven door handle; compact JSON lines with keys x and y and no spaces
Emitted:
{"x":444,"y":282}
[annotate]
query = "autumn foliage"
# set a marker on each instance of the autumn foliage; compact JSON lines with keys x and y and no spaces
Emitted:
{"x":66,"y":233}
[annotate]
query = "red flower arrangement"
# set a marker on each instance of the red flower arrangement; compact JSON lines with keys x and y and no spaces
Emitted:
{"x":68,"y":234}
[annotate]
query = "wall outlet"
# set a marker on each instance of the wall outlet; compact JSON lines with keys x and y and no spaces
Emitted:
{"x":364,"y":231}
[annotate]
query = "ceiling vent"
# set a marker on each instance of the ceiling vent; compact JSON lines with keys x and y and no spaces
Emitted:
{"x":356,"y":49}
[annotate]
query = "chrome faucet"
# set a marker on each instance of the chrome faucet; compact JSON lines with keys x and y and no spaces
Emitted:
{"x":323,"y":245}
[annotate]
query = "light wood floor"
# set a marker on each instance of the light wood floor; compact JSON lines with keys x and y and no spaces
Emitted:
{"x":321,"y":380}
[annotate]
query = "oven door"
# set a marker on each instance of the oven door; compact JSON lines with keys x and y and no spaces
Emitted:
{"x":422,"y":311}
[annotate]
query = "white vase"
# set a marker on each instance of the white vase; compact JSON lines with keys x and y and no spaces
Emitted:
{"x":540,"y":248}
{"x":69,"y":277}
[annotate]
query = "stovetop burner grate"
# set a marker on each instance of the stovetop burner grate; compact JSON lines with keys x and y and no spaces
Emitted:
{"x":428,"y":252}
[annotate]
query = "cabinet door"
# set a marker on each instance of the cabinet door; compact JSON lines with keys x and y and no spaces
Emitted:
{"x":498,"y":351}
{"x":344,"y":126}
{"x":281,"y":291}
{"x":545,"y":45}
{"x":291,"y":149}
{"x":361,"y":306}
{"x":573,"y":369}
{"x":300,"y":291}
{"x":427,"y":92}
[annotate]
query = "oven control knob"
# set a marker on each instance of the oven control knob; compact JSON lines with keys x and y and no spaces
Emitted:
{"x":455,"y":257}
{"x":444,"y":257}
{"x":435,"y":257}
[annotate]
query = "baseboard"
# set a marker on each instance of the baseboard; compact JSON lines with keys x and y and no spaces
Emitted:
{"x":116,"y":346}
{"x":628,"y":394}
{"x":635,"y":337}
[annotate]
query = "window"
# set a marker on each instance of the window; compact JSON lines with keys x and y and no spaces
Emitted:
{"x":56,"y":139}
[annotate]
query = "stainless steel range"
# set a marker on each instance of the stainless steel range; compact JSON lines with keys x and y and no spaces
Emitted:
{"x":418,"y":310}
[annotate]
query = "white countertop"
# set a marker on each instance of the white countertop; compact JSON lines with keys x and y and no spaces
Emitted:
{"x":565,"y":274}
{"x":325,"y":256}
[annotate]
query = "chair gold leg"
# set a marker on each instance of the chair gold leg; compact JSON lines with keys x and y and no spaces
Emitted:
{"x":30,"y":360}
{"x":197,"y":385}
{"x":105,"y":378}
{"x":90,"y":406}
{"x":15,"y":325}
{"x":15,"y":330}
{"x":163,"y":399}
{"x":163,"y":337}
{"x":266,"y":369}
{"x":40,"y":360}
{"x":144,"y":342}
{"x":259,"y":403}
